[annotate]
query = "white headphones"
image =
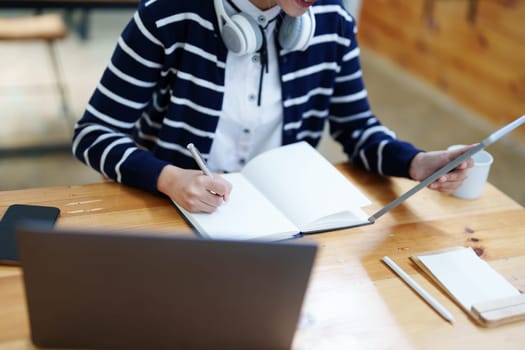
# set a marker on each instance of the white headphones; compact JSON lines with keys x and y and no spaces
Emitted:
{"x":242,"y":35}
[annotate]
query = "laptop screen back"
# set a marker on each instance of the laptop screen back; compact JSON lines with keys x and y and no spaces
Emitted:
{"x":138,"y":291}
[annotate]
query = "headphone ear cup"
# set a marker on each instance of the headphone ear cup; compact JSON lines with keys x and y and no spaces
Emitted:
{"x":295,"y":33}
{"x":244,"y":36}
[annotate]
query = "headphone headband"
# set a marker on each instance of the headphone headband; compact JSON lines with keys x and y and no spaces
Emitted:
{"x":242,"y":34}
{"x":220,"y":11}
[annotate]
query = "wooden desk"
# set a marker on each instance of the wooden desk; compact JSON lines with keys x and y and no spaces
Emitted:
{"x":354,"y":300}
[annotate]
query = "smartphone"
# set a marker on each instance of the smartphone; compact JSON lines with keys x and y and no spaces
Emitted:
{"x":16,"y":215}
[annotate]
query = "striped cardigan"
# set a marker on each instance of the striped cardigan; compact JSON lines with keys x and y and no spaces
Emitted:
{"x":164,"y":88}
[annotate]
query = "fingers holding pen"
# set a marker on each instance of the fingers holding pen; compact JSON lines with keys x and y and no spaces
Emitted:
{"x":215,"y":186}
{"x":205,"y":193}
{"x":193,"y":190}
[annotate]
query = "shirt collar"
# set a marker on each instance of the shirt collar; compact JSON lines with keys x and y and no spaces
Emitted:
{"x":262,"y":17}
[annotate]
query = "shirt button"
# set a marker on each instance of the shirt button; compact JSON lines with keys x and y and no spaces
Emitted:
{"x":242,"y":161}
{"x":246,"y":131}
{"x":255,"y":59}
{"x":261,"y":19}
{"x":251,"y":97}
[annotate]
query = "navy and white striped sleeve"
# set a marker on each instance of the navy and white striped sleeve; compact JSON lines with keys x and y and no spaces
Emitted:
{"x":367,"y":142}
{"x":102,"y":137}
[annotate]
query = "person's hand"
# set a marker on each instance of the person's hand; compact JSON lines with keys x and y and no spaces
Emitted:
{"x":426,"y":163}
{"x":193,"y":190}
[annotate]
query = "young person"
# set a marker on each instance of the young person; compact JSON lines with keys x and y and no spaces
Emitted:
{"x":235,"y":78}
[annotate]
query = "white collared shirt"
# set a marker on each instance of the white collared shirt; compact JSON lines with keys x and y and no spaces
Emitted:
{"x":246,"y":129}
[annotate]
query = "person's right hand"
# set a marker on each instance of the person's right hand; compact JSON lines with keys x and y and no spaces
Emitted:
{"x":425,"y":163}
{"x":193,"y":190}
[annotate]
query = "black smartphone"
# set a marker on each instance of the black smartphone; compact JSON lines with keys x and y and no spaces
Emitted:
{"x":16,"y":215}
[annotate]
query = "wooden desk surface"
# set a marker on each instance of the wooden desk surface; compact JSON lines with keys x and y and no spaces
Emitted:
{"x":354,"y":300}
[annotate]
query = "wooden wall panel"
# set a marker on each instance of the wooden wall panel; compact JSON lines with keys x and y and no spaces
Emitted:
{"x":479,"y":63}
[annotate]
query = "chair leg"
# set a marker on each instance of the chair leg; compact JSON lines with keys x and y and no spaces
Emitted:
{"x":83,"y":26}
{"x":66,"y":110}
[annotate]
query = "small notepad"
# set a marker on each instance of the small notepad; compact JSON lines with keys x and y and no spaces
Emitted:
{"x":480,"y":290}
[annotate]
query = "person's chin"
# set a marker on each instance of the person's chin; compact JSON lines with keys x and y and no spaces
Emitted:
{"x":298,"y":8}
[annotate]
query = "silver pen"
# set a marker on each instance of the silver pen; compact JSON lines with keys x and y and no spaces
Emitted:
{"x":419,"y":290}
{"x":198,"y":159}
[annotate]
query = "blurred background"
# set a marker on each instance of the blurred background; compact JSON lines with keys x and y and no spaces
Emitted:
{"x":438,"y":72}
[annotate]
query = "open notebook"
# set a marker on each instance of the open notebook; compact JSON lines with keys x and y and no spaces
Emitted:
{"x":280,"y":193}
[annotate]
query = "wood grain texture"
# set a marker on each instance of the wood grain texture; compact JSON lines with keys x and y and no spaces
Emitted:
{"x":479,"y":64}
{"x":353,"y":300}
{"x":38,"y":27}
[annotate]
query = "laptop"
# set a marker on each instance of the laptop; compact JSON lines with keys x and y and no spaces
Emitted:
{"x":109,"y":290}
{"x":495,"y":136}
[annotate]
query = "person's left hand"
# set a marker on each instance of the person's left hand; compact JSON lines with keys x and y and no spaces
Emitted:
{"x":426,"y":163}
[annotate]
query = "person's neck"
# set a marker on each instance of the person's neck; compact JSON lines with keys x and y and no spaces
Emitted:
{"x":264,"y":4}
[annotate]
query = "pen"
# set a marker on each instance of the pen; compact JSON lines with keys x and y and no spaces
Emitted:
{"x":200,"y":162}
{"x":419,"y":290}
{"x":198,"y":159}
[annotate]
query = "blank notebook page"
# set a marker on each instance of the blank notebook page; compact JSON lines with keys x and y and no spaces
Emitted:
{"x":467,"y":277}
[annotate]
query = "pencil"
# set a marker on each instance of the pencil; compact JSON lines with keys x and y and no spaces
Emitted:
{"x":419,"y":290}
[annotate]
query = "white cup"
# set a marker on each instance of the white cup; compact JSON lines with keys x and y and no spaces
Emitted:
{"x":477,"y":176}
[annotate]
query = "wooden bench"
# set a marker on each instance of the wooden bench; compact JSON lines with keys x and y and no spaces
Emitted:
{"x":81,"y":25}
{"x":39,"y":27}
